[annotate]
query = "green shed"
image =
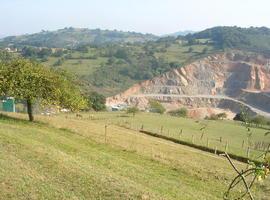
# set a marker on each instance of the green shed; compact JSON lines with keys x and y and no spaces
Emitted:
{"x":9,"y":104}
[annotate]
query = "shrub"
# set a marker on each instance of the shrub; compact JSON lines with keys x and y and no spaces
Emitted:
{"x":132,"y":110}
{"x":205,"y":50}
{"x":211,"y":117}
{"x":182,"y":112}
{"x":216,"y":116}
{"x":259,"y":120}
{"x":59,"y":62}
{"x":96,"y":101}
{"x":242,"y":116}
{"x":222,"y":115}
{"x":156,"y":107}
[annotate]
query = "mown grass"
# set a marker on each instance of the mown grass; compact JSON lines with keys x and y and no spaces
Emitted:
{"x":67,"y":159}
{"x":215,"y":134}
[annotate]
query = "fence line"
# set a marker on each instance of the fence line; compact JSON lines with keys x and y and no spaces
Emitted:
{"x":178,"y":137}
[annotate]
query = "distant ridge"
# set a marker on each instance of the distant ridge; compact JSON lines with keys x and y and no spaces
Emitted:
{"x":180,"y":33}
{"x":70,"y":37}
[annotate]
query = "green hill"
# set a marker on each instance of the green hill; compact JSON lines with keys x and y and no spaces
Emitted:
{"x":112,"y":61}
{"x":70,"y":37}
{"x":113,"y":68}
{"x":253,"y":38}
{"x":41,"y":161}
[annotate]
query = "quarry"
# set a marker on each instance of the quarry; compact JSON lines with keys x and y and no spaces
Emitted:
{"x":223,"y":82}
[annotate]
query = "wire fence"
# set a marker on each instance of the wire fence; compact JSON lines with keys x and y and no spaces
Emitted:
{"x":246,"y":148}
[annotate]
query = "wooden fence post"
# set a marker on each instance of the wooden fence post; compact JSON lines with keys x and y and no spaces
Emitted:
{"x":243,"y":144}
{"x":226,"y":146}
{"x":105,"y":135}
{"x":161,"y":129}
{"x":248,"y":152}
{"x":207,"y":142}
{"x":216,"y":150}
{"x":202,"y":135}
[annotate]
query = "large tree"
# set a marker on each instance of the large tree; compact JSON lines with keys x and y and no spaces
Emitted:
{"x":30,"y":81}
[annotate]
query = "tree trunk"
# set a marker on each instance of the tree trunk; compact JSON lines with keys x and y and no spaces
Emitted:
{"x":30,"y":110}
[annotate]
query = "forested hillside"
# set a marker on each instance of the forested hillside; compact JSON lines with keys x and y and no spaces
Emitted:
{"x":255,"y":39}
{"x":70,"y":37}
{"x":112,"y":61}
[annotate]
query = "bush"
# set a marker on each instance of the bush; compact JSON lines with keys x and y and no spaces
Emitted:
{"x":121,"y":53}
{"x":212,"y":117}
{"x":205,"y":50}
{"x":132,"y":110}
{"x":259,"y":120}
{"x":83,"y":49}
{"x":222,"y":115}
{"x":59,"y":62}
{"x":182,"y":112}
{"x":243,"y":116}
{"x":58,"y":53}
{"x":216,"y":116}
{"x":96,"y":101}
{"x":156,"y":107}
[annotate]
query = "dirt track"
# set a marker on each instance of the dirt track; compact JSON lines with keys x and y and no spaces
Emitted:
{"x":256,"y":110}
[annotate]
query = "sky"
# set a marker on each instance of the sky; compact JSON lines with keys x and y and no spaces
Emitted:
{"x":147,"y":16}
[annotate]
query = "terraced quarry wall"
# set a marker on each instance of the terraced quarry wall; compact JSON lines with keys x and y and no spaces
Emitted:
{"x":219,"y":81}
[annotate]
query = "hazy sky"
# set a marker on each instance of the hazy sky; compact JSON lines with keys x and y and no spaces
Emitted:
{"x":147,"y":16}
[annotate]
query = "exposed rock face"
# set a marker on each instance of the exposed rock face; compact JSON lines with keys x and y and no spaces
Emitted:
{"x":211,"y":82}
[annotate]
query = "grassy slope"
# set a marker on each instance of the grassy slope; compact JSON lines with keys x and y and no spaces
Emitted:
{"x":232,"y":132}
{"x":45,"y":163}
{"x":81,"y":67}
{"x":39,"y":162}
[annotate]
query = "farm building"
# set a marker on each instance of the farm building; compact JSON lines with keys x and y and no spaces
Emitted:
{"x":8,"y":104}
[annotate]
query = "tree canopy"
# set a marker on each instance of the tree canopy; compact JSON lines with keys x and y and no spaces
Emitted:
{"x":253,"y":38}
{"x":96,"y":101}
{"x":30,"y":81}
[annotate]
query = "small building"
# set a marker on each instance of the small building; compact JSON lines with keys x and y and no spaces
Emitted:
{"x":8,"y":104}
{"x":11,"y":50}
{"x":118,"y":107}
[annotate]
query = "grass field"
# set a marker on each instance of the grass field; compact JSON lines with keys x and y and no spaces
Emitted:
{"x":216,"y":135}
{"x":81,"y":67}
{"x":65,"y":157}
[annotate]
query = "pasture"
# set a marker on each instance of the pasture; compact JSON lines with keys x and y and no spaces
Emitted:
{"x":69,"y":157}
{"x":222,"y":135}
